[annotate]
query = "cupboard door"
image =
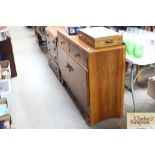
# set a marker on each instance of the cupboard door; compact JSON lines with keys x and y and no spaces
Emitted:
{"x":78,"y":83}
{"x":63,"y":63}
{"x":75,"y":77}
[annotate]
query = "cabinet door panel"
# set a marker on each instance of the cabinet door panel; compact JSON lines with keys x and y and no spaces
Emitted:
{"x":75,"y":77}
{"x":78,"y":83}
{"x":63,"y":61}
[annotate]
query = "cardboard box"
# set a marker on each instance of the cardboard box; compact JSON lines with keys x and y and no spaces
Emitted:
{"x":5,"y":69}
{"x":151,"y":87}
{"x":3,"y":107}
{"x":7,"y":120}
{"x":7,"y":117}
{"x":5,"y":89}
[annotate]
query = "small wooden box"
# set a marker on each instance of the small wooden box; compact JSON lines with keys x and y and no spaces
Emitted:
{"x":99,"y":37}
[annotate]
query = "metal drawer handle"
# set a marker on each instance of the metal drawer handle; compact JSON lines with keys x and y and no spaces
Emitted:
{"x":63,"y":42}
{"x":70,"y":68}
{"x":77,"y":55}
{"x":67,"y":66}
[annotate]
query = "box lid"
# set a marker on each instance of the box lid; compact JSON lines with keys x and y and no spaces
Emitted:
{"x":98,"y":33}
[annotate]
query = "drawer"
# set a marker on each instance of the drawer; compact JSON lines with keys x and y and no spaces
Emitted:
{"x":51,"y":42}
{"x":54,"y":66}
{"x":55,"y":57}
{"x":63,"y":42}
{"x":79,"y":55}
{"x":52,"y":50}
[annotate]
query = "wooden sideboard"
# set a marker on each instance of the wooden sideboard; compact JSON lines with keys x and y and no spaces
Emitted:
{"x":94,"y":76}
{"x":52,"y":48}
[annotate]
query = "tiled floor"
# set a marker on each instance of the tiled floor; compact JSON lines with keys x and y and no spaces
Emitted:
{"x":40,"y":101}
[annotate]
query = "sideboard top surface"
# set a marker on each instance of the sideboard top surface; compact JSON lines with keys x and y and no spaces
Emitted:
{"x":75,"y":40}
{"x":52,"y":30}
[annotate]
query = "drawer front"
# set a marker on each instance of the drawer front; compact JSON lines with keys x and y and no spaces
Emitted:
{"x":79,"y":55}
{"x":55,"y":57}
{"x":63,"y":42}
{"x":51,"y":40}
{"x":53,"y":65}
{"x":52,"y":50}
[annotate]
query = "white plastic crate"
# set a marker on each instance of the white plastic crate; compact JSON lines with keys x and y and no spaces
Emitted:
{"x":5,"y":89}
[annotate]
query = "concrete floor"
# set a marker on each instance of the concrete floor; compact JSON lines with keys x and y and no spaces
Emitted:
{"x":40,"y":101}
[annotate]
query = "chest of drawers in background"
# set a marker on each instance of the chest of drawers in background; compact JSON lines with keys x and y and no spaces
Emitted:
{"x":94,"y":76}
{"x":52,"y":49}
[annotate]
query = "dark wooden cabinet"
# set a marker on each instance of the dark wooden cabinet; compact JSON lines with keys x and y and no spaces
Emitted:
{"x":6,"y":51}
{"x":94,"y":76}
{"x":41,"y":34}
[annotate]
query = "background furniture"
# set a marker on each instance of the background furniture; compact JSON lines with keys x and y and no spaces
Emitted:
{"x":94,"y":76}
{"x":52,"y":49}
{"x":6,"y":53}
{"x":41,"y":34}
{"x":147,"y":59}
{"x":6,"y":117}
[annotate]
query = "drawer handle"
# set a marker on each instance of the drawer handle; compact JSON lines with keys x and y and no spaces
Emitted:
{"x":63,"y":42}
{"x":70,"y":68}
{"x":55,"y":57}
{"x":67,"y":66}
{"x":54,"y":41}
{"x":54,"y":49}
{"x":77,"y":55}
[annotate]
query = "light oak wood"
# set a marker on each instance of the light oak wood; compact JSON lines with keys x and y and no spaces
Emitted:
{"x":98,"y":85}
{"x":103,"y":38}
{"x":106,"y":84}
{"x":52,"y":30}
